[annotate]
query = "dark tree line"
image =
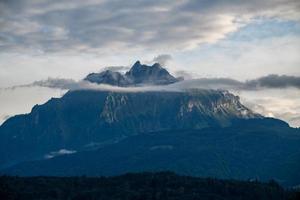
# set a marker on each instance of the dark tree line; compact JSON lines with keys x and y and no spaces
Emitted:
{"x":142,"y":186}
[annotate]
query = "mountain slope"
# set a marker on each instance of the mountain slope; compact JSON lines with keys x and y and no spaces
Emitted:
{"x":243,"y":152}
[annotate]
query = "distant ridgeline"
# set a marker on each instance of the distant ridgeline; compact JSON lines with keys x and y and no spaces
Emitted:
{"x":196,"y":132}
{"x":159,"y":186}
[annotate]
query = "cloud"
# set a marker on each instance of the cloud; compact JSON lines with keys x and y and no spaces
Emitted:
{"x":106,"y":26}
{"x":274,"y":81}
{"x":265,"y":82}
{"x":59,"y":153}
{"x":184,"y":74}
{"x":162,"y":59}
{"x":116,"y":68}
{"x":279,"y":103}
{"x":209,"y":83}
{"x":58,"y":83}
{"x":65,"y":84}
{"x":70,"y":84}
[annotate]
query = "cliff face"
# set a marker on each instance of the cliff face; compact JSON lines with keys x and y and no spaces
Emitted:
{"x":152,"y":111}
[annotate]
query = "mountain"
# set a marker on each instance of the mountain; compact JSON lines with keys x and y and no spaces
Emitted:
{"x":194,"y":132}
{"x":139,"y":74}
{"x":82,"y":119}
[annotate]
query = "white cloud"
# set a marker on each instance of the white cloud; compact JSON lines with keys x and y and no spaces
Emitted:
{"x":243,"y":59}
{"x":162,"y":59}
{"x":283,"y":104}
{"x":59,"y":153}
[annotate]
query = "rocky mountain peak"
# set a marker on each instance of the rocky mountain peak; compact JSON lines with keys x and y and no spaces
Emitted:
{"x":108,"y":77}
{"x":139,"y":74}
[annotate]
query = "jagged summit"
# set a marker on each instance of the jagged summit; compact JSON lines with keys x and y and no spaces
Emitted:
{"x":138,"y":67}
{"x":139,"y":74}
{"x":108,"y":77}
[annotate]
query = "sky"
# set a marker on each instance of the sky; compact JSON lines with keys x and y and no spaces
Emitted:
{"x":251,"y":42}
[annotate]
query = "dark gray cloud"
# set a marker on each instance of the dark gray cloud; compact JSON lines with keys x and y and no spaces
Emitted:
{"x":274,"y":81}
{"x":106,"y":25}
{"x":271,"y":81}
{"x":184,"y":74}
{"x":55,"y":83}
{"x":266,"y":82}
{"x":65,"y":84}
{"x":117,"y":68}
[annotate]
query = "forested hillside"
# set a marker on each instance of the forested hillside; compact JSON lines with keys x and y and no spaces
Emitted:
{"x":144,"y":186}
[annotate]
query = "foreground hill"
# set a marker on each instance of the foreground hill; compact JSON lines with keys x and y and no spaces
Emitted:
{"x":146,"y":186}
